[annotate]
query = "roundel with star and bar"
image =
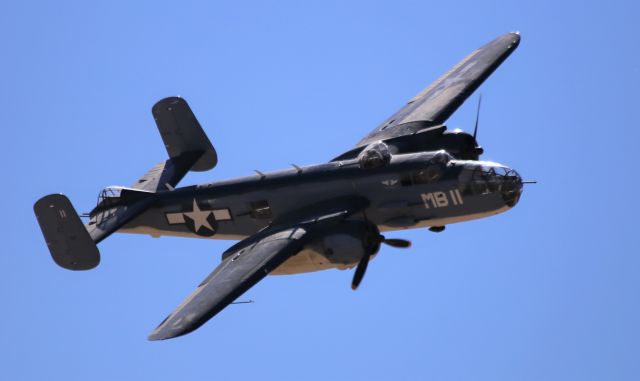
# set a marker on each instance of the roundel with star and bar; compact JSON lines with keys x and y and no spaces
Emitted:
{"x":199,"y":219}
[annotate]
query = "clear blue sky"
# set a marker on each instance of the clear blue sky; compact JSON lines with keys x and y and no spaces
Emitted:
{"x":547,"y":291}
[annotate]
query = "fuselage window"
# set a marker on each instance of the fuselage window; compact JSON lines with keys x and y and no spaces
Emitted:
{"x":260,"y":209}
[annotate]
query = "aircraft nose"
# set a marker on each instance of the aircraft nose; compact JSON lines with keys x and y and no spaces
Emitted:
{"x":511,"y":188}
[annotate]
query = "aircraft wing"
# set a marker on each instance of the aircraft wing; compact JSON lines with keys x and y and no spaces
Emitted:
{"x":243,"y":265}
{"x":435,"y":104}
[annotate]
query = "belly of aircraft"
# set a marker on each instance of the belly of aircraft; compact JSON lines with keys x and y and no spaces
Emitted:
{"x":308,"y":261}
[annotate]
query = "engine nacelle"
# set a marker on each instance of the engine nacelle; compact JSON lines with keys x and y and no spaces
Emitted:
{"x":348,"y":243}
{"x":340,"y":248}
{"x":458,"y":143}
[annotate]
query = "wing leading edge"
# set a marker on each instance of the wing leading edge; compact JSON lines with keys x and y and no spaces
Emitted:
{"x":247,"y":265}
{"x":435,"y":104}
{"x":243,"y":265}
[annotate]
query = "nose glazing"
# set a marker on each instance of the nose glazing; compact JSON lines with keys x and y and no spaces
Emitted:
{"x":511,"y":187}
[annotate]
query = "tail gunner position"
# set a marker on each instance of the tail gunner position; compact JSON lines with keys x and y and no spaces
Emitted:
{"x":410,"y":172}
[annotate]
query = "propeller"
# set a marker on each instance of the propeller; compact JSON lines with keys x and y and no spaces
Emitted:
{"x":475,"y":128}
{"x":360,"y":270}
{"x":364,"y":262}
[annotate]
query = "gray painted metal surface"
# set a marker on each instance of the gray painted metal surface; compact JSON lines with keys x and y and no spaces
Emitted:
{"x":435,"y":104}
{"x":181,"y":132}
{"x":408,"y":173}
{"x":68,"y":241}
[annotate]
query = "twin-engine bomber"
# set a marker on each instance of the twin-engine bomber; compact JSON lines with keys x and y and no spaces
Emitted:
{"x":410,"y":172}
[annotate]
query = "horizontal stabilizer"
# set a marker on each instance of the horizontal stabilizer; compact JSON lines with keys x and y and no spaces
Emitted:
{"x":167,"y":174}
{"x":68,"y":240}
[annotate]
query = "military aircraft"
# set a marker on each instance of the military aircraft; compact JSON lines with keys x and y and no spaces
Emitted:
{"x":410,"y":172}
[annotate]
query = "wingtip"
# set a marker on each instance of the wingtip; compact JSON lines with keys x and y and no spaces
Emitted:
{"x":158,"y":335}
{"x":508,"y":41}
{"x":155,"y":335}
{"x":514,"y":39}
{"x":162,"y":332}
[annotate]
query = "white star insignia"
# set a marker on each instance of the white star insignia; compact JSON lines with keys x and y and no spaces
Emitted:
{"x":199,"y":217}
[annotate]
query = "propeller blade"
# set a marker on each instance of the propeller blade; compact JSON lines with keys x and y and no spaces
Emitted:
{"x":397,"y":242}
{"x":360,"y":270}
{"x":475,"y":129}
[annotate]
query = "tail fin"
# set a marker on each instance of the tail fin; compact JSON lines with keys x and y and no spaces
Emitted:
{"x":73,"y":244}
{"x":188,"y":146}
{"x":68,"y":240}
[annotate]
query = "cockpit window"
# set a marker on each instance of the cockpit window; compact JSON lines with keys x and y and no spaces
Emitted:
{"x":420,"y":177}
{"x":428,"y":175}
{"x":479,"y":184}
{"x":431,"y":173}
